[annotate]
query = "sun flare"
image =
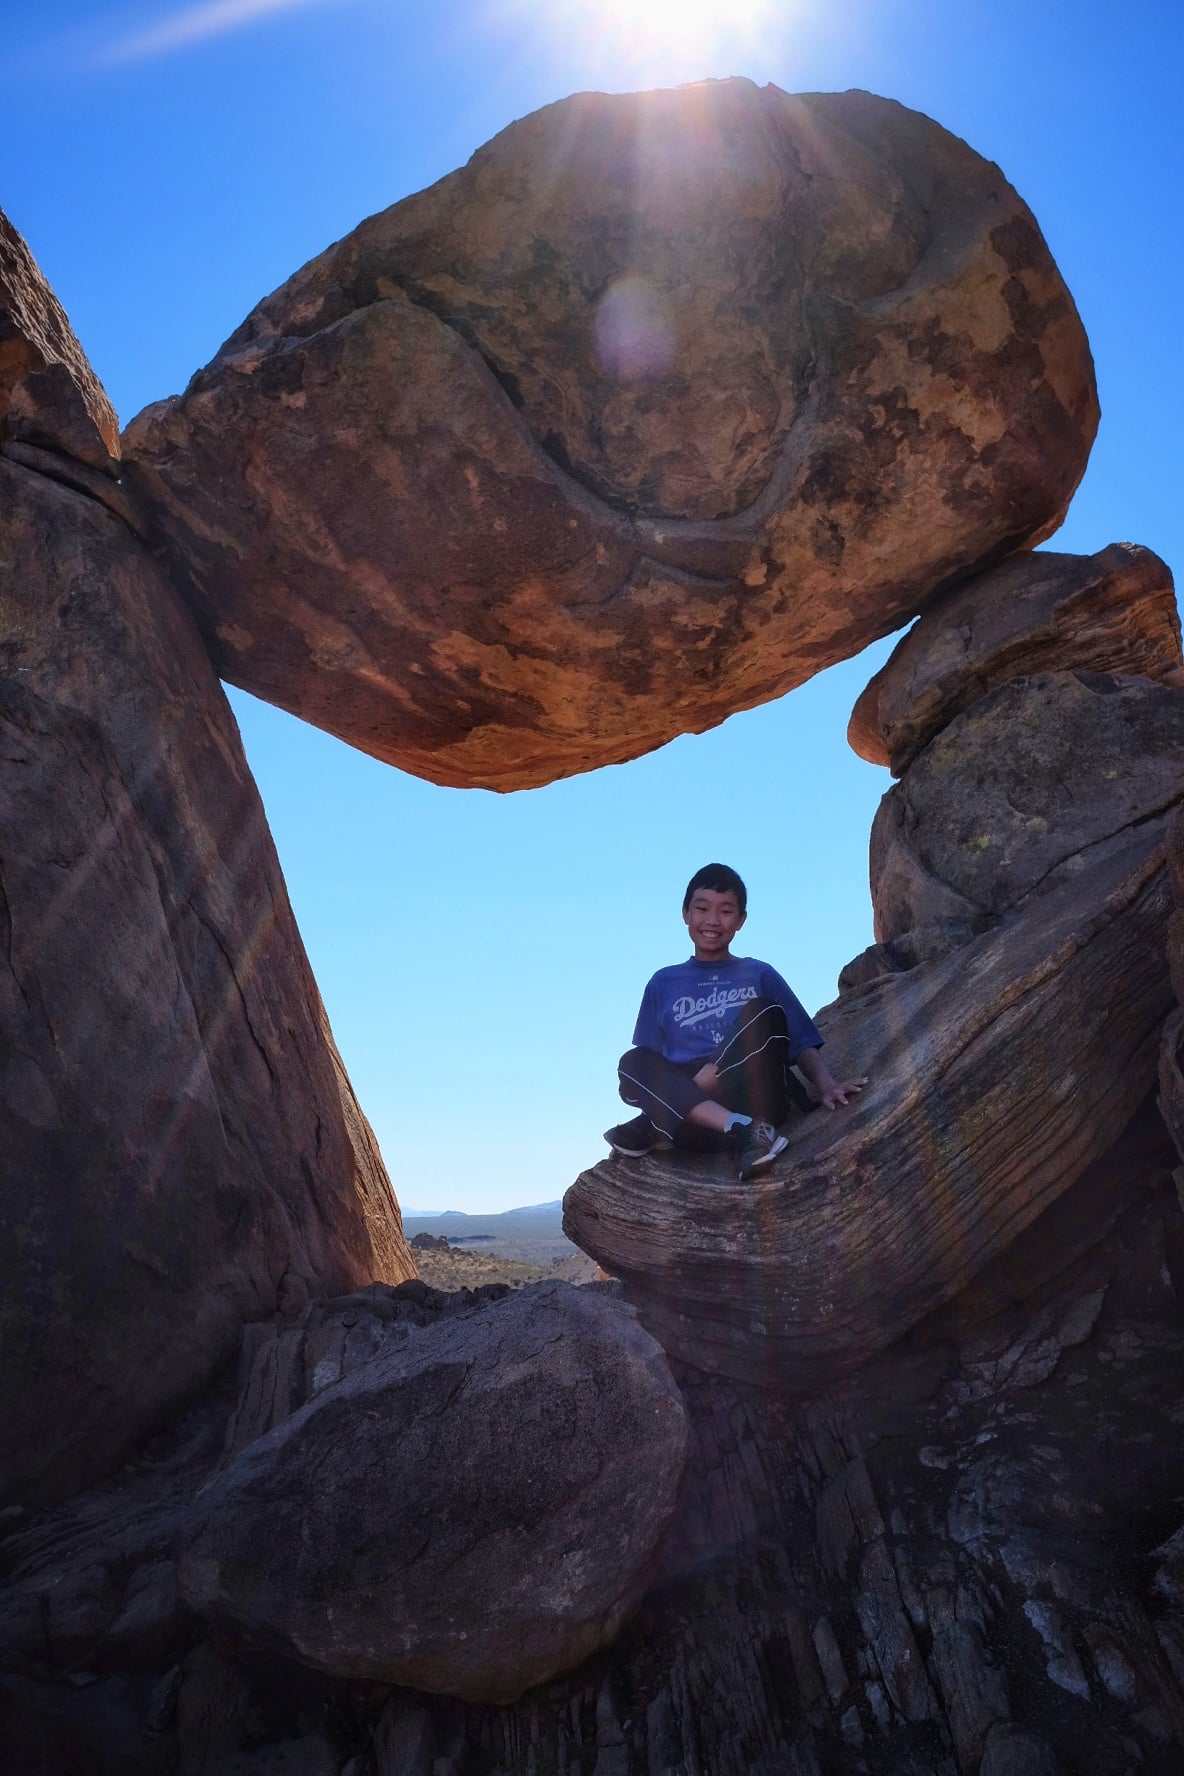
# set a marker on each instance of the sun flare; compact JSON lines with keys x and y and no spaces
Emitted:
{"x":659,"y":40}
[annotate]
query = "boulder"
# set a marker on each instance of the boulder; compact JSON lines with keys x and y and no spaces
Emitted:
{"x":473,"y":1510}
{"x":178,"y":1134}
{"x":1110,"y":612}
{"x":661,"y":404}
{"x":1024,"y":784}
{"x":999,"y":1074}
{"x":48,"y":391}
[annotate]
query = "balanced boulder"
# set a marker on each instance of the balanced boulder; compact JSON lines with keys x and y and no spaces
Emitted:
{"x":475,"y":1509}
{"x":661,"y":404}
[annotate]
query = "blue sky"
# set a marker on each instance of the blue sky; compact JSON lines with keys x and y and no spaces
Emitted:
{"x":481,"y":956}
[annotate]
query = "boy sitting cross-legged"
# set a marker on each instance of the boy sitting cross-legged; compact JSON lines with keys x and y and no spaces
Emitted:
{"x":715,"y":1039}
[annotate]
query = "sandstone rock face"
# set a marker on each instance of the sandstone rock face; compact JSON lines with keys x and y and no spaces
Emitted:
{"x":1028,"y":781}
{"x":1110,"y":612}
{"x":473,"y":1510}
{"x":177,"y":1132}
{"x":48,"y":391}
{"x":661,"y":404}
{"x":998,"y":1074}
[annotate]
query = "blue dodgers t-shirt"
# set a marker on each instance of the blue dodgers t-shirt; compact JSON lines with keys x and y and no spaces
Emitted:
{"x":687,"y":1010}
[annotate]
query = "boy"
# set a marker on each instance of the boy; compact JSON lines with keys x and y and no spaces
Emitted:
{"x":715,"y":1039}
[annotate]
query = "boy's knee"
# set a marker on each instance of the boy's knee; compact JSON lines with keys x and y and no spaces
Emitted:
{"x":764,"y":1007}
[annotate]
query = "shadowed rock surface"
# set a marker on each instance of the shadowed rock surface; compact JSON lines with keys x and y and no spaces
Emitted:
{"x":178,"y":1135}
{"x":967,"y":1554}
{"x":1022,"y":788}
{"x":473,"y":1510}
{"x":661,"y":404}
{"x":1110,"y":612}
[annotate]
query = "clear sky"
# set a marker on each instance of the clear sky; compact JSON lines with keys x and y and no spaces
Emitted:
{"x":482,"y":956}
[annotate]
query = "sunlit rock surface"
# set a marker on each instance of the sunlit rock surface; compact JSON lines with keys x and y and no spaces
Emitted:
{"x":473,"y":1507}
{"x":1037,"y":612}
{"x":177,"y":1132}
{"x":661,"y":404}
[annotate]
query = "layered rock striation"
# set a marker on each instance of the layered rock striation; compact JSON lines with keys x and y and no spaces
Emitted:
{"x":662,"y":403}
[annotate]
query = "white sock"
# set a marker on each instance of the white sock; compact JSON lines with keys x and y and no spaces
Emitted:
{"x":736,"y":1120}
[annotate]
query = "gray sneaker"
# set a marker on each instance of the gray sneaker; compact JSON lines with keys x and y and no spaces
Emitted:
{"x":754,"y":1145}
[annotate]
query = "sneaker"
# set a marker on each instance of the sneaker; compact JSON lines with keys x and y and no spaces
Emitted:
{"x":632,"y":1139}
{"x":755,"y":1144}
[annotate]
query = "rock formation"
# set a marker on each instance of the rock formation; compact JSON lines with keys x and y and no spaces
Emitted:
{"x":1008,"y":1017}
{"x":524,"y":1460}
{"x":661,"y":404}
{"x":48,"y":392}
{"x":964,"y":1561}
{"x":178,"y":1134}
{"x":999,"y":1072}
{"x":1041,"y":612}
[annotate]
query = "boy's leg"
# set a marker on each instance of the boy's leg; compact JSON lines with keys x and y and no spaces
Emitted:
{"x":751,"y":1064}
{"x":664,"y":1093}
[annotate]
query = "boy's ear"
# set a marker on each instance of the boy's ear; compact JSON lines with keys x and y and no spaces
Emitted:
{"x":742,"y":918}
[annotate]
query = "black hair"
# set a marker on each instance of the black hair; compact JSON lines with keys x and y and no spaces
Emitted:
{"x":722,"y":879}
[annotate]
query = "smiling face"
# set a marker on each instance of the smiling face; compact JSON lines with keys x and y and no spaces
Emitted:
{"x":713,"y":918}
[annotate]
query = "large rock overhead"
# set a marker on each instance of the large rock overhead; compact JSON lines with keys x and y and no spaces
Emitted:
{"x":178,"y":1135}
{"x":661,"y":404}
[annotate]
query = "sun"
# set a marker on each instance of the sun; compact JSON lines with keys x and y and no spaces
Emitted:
{"x":659,"y":41}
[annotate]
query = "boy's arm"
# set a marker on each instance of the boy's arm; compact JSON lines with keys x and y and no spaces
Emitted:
{"x":805,"y":1036}
{"x":831,"y":1091}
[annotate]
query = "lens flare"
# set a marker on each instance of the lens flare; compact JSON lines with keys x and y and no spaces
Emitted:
{"x":632,"y":332}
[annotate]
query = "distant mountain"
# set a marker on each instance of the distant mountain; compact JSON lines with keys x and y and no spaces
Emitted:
{"x":531,"y":1235}
{"x":463,"y":1214}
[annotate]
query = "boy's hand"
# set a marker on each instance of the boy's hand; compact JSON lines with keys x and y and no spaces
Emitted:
{"x":837,"y":1091}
